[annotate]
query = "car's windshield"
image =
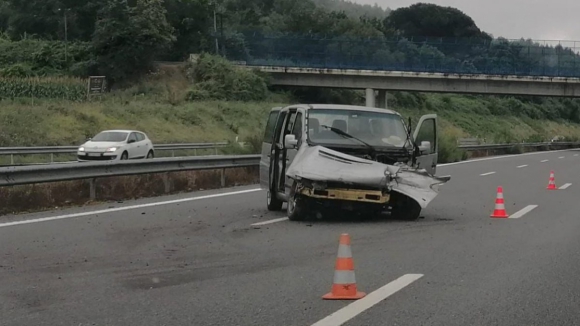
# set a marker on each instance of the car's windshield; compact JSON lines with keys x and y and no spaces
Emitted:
{"x":375,"y":128}
{"x":110,"y":136}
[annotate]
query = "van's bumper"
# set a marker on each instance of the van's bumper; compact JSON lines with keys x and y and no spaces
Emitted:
{"x":364,"y":196}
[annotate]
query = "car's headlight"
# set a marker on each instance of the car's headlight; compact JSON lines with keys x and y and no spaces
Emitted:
{"x":81,"y":149}
{"x":111,"y":149}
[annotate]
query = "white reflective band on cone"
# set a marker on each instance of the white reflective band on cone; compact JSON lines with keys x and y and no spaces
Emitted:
{"x":344,"y":277}
{"x":344,"y":251}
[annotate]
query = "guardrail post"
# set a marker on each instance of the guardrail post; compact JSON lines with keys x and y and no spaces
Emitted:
{"x":223,"y":177}
{"x":166,"y":183}
{"x":195,"y":152}
{"x":51,"y":158}
{"x":216,"y":151}
{"x":11,"y":159}
{"x":93,"y":188}
{"x":172,"y":153}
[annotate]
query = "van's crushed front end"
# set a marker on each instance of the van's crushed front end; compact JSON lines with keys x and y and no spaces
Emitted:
{"x":334,"y":179}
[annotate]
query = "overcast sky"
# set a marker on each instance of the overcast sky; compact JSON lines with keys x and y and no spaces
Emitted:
{"x":536,"y":19}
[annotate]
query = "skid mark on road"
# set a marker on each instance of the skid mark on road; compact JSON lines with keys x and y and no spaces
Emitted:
{"x":119,"y":209}
{"x":352,"y":310}
{"x":276,"y":220}
{"x":565,"y":186}
{"x":523,"y":211}
{"x":488,"y":173}
{"x":522,"y":166}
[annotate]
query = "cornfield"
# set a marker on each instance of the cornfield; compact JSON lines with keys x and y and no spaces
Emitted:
{"x":74,"y":89}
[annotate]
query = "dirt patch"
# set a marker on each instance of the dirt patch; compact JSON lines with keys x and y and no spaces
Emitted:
{"x":38,"y":197}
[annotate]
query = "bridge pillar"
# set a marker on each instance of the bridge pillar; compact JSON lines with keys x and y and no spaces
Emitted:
{"x":370,"y":97}
{"x":382,"y":99}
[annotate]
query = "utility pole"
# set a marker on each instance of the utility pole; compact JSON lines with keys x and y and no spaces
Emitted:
{"x":65,"y":38}
{"x":217,"y":48}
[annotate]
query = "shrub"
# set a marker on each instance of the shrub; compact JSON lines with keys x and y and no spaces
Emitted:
{"x":215,"y":78}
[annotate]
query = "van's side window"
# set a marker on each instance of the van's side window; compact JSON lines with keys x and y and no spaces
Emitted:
{"x":270,"y":126}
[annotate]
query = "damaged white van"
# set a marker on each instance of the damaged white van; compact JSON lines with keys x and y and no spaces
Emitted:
{"x":340,"y":157}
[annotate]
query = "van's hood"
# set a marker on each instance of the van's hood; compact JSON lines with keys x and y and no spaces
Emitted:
{"x":318,"y":163}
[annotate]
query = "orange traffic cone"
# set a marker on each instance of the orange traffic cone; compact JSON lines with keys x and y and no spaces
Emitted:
{"x":552,"y":182}
{"x":344,"y":284}
{"x":499,"y":211}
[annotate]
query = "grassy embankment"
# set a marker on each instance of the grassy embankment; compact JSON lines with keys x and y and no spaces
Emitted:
{"x":169,"y":109}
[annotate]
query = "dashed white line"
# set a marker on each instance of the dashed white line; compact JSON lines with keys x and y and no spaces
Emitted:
{"x":523,"y":211}
{"x":565,"y":186}
{"x":276,"y":220}
{"x":562,"y":157}
{"x":522,"y":166}
{"x":544,"y":161}
{"x":352,"y":310}
{"x":119,"y":209}
{"x":575,"y":154}
{"x":488,"y":173}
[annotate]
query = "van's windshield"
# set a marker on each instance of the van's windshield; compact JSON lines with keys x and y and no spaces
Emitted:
{"x":375,"y":128}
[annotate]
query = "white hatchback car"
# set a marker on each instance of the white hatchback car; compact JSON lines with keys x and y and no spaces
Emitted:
{"x":112,"y":145}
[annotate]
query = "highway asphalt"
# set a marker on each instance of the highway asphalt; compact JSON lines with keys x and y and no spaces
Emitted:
{"x":200,"y":258}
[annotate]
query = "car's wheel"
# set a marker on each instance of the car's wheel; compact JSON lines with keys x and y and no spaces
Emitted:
{"x":295,"y":206}
{"x":274,"y":204}
{"x":150,"y":154}
{"x":125,"y":156}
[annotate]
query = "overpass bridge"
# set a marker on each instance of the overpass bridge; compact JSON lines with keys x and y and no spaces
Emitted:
{"x":504,"y":67}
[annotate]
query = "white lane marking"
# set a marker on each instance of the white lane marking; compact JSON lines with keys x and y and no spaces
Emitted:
{"x":565,"y":186}
{"x":575,"y":154}
{"x":500,"y":157}
{"x":522,"y":166}
{"x":523,"y":211}
{"x":119,"y":209}
{"x":352,"y":310}
{"x":276,"y":220}
{"x":488,"y":173}
{"x":562,"y":157}
{"x":544,"y":161}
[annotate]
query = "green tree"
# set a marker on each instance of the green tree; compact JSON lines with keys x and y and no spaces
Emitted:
{"x":430,"y":20}
{"x":127,"y":39}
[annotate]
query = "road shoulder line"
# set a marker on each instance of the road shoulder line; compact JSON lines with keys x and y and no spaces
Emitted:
{"x":125,"y":208}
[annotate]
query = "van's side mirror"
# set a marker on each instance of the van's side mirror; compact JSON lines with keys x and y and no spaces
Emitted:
{"x":425,"y":147}
{"x":290,"y":141}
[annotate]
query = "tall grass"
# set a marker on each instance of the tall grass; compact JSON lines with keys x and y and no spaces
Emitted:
{"x":66,"y":88}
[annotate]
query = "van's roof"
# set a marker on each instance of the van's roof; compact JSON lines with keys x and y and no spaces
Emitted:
{"x":338,"y":107}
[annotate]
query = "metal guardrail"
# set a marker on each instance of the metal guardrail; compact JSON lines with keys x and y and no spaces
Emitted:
{"x":484,"y":147}
{"x":12,"y":151}
{"x":23,"y":175}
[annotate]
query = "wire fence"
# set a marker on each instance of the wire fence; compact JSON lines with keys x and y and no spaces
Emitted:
{"x":417,"y":54}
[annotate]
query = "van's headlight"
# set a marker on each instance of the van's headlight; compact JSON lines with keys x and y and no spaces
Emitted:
{"x":81,"y":149}
{"x":111,"y":149}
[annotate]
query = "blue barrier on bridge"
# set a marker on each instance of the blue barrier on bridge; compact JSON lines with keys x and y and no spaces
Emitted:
{"x":439,"y":55}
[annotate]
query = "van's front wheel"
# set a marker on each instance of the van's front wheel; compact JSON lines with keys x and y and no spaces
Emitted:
{"x":295,"y":209}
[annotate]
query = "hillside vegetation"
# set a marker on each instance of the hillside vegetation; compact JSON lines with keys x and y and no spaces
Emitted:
{"x":42,"y":77}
